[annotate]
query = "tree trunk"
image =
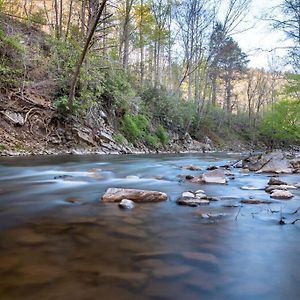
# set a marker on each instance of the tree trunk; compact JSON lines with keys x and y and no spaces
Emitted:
{"x":83,"y":55}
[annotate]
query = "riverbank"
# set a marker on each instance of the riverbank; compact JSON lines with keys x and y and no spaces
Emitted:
{"x":37,"y":128}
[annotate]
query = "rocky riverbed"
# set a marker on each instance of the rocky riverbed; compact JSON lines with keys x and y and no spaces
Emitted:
{"x":217,"y":231}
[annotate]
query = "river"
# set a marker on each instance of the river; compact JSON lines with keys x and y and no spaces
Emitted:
{"x":58,"y":241}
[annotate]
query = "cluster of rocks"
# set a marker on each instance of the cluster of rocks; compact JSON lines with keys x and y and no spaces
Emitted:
{"x":217,"y":176}
{"x":127,"y":197}
{"x":194,"y":199}
{"x":279,"y":189}
{"x":273,"y":162}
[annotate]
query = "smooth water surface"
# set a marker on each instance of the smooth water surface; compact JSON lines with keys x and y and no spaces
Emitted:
{"x":58,"y":241}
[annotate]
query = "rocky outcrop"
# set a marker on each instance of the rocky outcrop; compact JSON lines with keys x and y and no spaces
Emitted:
{"x":119,"y":194}
{"x":274,"y":162}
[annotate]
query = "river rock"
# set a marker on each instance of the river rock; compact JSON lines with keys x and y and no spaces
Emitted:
{"x":251,"y":201}
{"x":188,"y":194}
{"x":273,"y":162}
{"x":279,"y":194}
{"x":191,"y":168}
{"x":271,"y":188}
{"x":214,"y":176}
{"x":132,"y":177}
{"x":210,"y":168}
{"x":211,"y":216}
{"x":191,"y":201}
{"x":118,"y":194}
{"x":126,"y":204}
{"x":276,"y":181}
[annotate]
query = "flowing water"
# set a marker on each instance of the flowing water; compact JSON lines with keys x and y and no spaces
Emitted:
{"x":58,"y":241}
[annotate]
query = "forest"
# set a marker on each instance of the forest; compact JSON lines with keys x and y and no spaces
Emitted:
{"x":153,"y":68}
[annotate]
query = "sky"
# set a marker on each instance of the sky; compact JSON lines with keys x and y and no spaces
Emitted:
{"x":262,"y":36}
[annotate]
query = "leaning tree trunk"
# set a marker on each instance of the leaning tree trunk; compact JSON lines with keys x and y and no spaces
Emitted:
{"x":83,"y":55}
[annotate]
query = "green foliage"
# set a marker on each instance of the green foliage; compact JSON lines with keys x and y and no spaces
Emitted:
{"x":162,"y":135}
{"x":119,"y":138}
{"x":38,"y":17}
{"x":10,"y":64}
{"x":292,"y":89}
{"x":281,"y":122}
{"x":168,"y":108}
{"x":2,"y":147}
{"x":117,"y":84}
{"x":61,"y":104}
{"x":135,"y":127}
{"x":152,"y":141}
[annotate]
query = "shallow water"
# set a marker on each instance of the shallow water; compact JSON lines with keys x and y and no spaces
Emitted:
{"x":57,"y":241}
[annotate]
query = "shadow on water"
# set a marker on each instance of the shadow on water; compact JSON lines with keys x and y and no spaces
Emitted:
{"x":57,"y":241}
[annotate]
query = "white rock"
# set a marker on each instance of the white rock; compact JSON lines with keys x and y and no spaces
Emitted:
{"x":188,"y":194}
{"x":126,"y":204}
{"x":280,"y":194}
{"x":199,"y":192}
{"x":132,"y":177}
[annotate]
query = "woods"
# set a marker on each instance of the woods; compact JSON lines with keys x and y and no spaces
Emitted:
{"x":174,"y":64}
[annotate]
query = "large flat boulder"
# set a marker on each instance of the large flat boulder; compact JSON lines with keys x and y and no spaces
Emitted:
{"x":214,"y":176}
{"x":118,"y":194}
{"x":273,"y":162}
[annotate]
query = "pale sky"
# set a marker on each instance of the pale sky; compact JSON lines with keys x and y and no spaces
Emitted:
{"x":262,"y":36}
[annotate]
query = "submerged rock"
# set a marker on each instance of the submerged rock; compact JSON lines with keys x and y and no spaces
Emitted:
{"x":211,"y":216}
{"x":126,"y":204}
{"x":280,"y":194}
{"x":191,"y":168}
{"x":118,"y":194}
{"x":251,"y":201}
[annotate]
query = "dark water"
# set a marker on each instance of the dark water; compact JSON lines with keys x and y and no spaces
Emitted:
{"x":57,"y":241}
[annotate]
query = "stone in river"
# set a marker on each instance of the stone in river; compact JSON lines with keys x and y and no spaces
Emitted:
{"x":214,"y":176}
{"x":276,"y":181}
{"x":191,"y":201}
{"x":118,"y":194}
{"x":251,"y":201}
{"x":126,"y":204}
{"x":211,"y":216}
{"x":280,"y":194}
{"x":188,"y":194}
{"x":210,"y":168}
{"x":191,"y":168}
{"x":132,"y":177}
{"x":271,"y":188}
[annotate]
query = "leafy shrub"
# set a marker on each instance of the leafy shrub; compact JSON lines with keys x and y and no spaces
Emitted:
{"x":10,"y":63}
{"x":282,"y":121}
{"x":162,"y":135}
{"x":61,"y":104}
{"x":135,"y":127}
{"x":152,"y":141}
